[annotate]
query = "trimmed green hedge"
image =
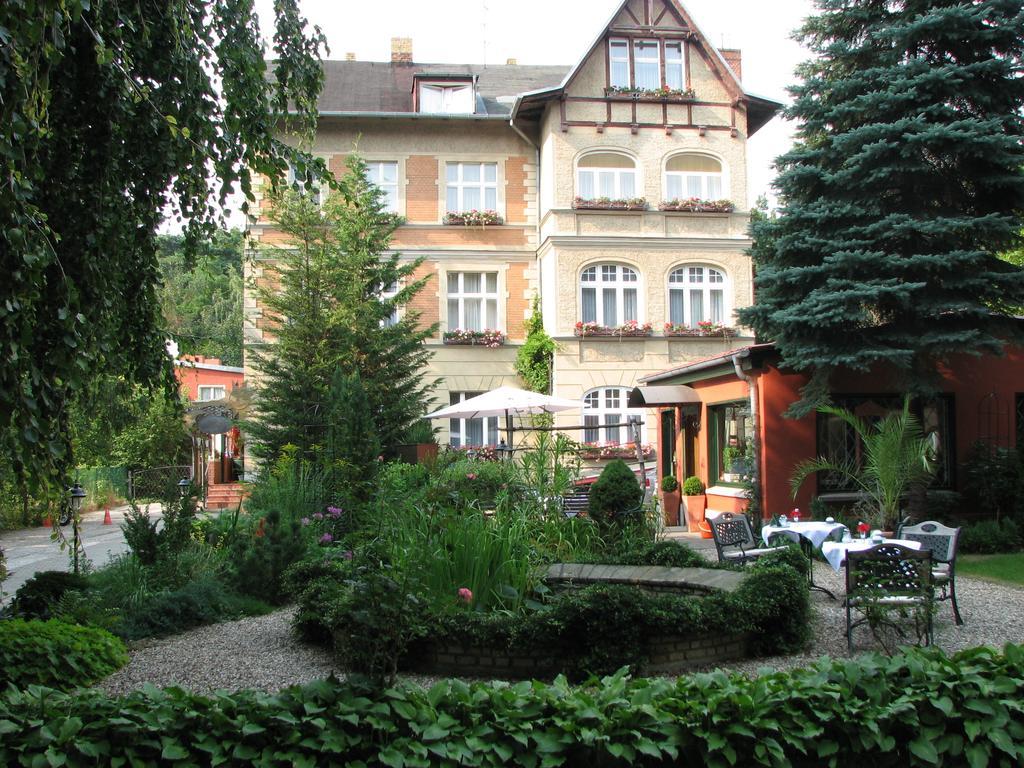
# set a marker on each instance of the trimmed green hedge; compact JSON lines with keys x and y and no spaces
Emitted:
{"x":917,"y":709}
{"x":56,"y":654}
{"x":598,"y":629}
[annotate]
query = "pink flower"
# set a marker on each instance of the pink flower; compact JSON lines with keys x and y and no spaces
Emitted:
{"x":465,"y":595}
{"x":326,"y":538}
{"x":318,"y":515}
{"x":334,"y":512}
{"x":471,"y":476}
{"x":305,"y":521}
{"x":347,"y":554}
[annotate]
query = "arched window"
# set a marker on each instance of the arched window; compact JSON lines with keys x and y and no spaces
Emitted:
{"x":607,"y":406}
{"x":606,"y":174}
{"x":696,"y":293}
{"x":609,"y":294}
{"x":692,"y":175}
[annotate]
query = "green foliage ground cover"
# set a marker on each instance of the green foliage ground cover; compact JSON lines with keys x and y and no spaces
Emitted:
{"x":56,"y":654}
{"x":1006,"y":568}
{"x":919,"y":708}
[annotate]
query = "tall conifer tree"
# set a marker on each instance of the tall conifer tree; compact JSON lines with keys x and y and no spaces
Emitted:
{"x":904,"y":184}
{"x":324,"y":298}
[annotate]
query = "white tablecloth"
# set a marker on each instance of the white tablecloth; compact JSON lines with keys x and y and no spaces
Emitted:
{"x":815,"y":531}
{"x":835,"y":551}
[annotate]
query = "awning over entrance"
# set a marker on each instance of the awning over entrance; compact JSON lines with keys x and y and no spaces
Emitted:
{"x":651,"y":397}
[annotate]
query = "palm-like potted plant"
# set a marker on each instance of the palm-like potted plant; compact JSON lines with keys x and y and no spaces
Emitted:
{"x":670,"y":499}
{"x":896,"y":457}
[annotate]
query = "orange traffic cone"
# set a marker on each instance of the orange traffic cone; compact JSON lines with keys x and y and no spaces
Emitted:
{"x":106,"y":516}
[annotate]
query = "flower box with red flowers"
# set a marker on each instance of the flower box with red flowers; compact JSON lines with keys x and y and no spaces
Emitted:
{"x":632,"y":328}
{"x":664,"y":93}
{"x":485,"y":338}
{"x":705,"y":328}
{"x":696,"y":205}
{"x":610,"y":204}
{"x":473,"y":218}
{"x":596,"y":452}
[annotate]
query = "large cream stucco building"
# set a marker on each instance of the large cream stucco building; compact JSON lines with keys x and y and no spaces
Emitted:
{"x":544,"y":147}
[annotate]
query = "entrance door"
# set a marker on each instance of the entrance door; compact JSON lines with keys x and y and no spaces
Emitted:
{"x":668,"y":442}
{"x":689,"y":443}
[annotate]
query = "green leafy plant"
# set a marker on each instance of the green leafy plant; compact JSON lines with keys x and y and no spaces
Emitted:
{"x":38,"y":597}
{"x":693,"y":486}
{"x":896,"y":457}
{"x":990,"y":537}
{"x":55,"y":654}
{"x":535,"y":358}
{"x":616,"y":495}
{"x":669,"y":484}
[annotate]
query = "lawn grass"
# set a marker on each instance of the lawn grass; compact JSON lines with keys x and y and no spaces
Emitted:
{"x":1007,"y":568}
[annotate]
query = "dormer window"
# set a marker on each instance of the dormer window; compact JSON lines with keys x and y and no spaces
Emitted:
{"x":646,"y":64}
{"x":447,"y":97}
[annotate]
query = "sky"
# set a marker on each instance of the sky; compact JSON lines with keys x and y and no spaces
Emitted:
{"x":560,"y":32}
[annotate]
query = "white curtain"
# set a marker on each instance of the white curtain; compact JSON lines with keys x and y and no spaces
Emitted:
{"x":608,"y":302}
{"x":717,"y":307}
{"x":676,"y":307}
{"x":630,"y":310}
{"x":589,"y":305}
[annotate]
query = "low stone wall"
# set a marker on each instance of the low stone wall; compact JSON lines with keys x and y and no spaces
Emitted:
{"x":666,"y":655}
{"x":653,"y":578}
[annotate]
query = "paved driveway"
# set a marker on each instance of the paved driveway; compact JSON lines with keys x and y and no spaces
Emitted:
{"x":31,"y":550}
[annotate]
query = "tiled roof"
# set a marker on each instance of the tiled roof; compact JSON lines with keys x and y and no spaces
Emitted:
{"x":372,"y":86}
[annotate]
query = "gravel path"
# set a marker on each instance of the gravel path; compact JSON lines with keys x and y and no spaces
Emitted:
{"x":262,"y":653}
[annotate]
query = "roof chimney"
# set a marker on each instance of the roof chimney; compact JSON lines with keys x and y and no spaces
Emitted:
{"x":401,"y":50}
{"x":511,"y":62}
{"x":734,"y":58}
{"x":350,"y":56}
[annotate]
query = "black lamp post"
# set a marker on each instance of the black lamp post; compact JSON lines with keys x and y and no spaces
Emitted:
{"x":77,"y":494}
{"x":504,"y":450}
{"x":183,"y":486}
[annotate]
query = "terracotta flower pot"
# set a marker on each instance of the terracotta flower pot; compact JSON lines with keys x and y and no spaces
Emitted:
{"x":670,"y":501}
{"x":695,"y":506}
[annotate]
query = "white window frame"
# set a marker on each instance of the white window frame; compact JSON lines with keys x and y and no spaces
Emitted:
{"x":375,"y":174}
{"x":389,"y":293}
{"x":613,"y":60}
{"x":459,"y":427}
{"x":610,"y":277}
{"x":460,"y":185}
{"x":453,"y":100}
{"x":484,"y":298}
{"x":648,"y":60}
{"x":690,"y":279}
{"x":607,"y":405}
{"x":705,"y":179}
{"x":617,"y":46}
{"x":617,"y":174}
{"x":208,"y":388}
{"x":299,"y":185}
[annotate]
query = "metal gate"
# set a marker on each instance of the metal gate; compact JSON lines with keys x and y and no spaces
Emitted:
{"x":157,"y":482}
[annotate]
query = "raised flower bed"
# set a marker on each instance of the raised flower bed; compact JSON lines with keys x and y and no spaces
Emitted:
{"x":595,"y":452}
{"x":473,"y":218}
{"x":484,"y":338}
{"x":610,"y":204}
{"x":704,"y":328}
{"x":696,"y":205}
{"x":632,"y":328}
{"x":650,"y":94}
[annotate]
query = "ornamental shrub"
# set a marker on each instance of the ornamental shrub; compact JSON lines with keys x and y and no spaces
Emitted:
{"x":38,"y":597}
{"x":615,"y":494}
{"x":990,"y":537}
{"x":666,"y":553}
{"x":669,"y":483}
{"x":693,"y":486}
{"x":55,"y":654}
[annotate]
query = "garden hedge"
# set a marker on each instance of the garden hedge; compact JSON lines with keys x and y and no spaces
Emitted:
{"x":917,"y":709}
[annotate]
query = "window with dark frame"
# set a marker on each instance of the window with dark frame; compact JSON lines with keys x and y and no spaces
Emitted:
{"x":730,"y":442}
{"x":839,"y":442}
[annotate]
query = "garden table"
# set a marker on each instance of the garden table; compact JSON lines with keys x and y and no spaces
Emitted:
{"x":809,"y":535}
{"x":835,"y":551}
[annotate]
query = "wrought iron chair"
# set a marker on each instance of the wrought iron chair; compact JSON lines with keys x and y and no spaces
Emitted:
{"x":887,"y":577}
{"x":734,"y":539}
{"x":942,"y":541}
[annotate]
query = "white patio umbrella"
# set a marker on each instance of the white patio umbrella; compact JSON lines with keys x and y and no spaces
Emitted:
{"x":507,"y":402}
